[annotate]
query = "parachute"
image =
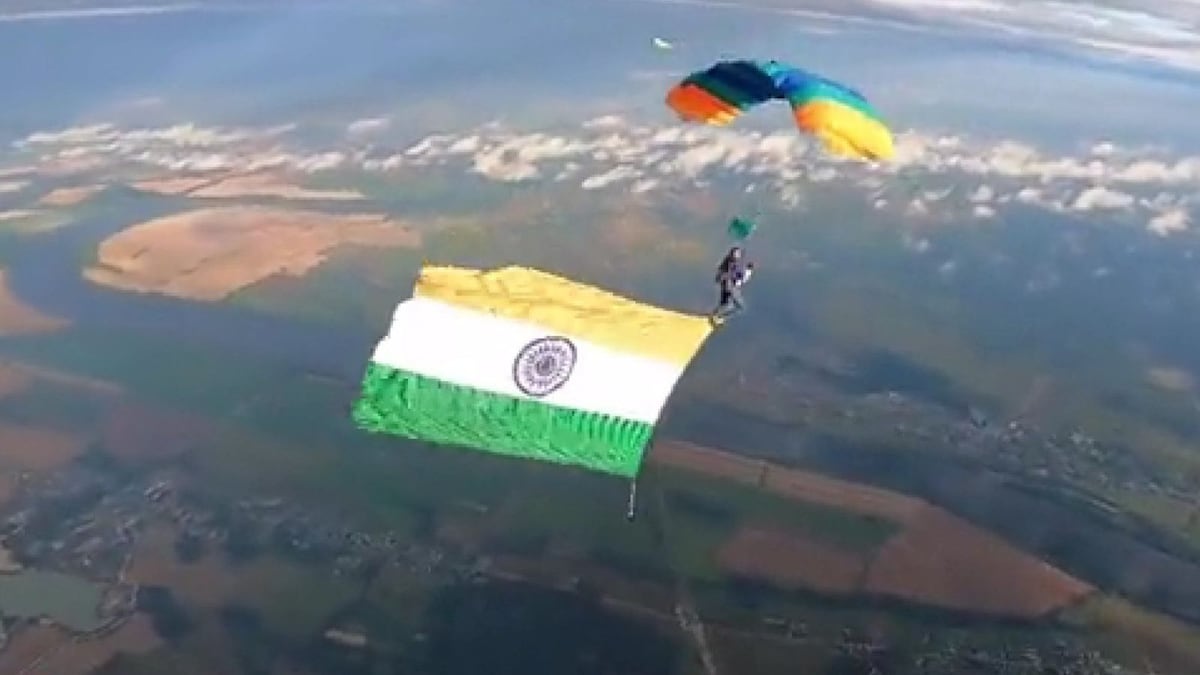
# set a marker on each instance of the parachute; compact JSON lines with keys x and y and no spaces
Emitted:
{"x":839,"y":116}
{"x":740,"y":228}
{"x":523,"y":363}
{"x":663,"y":44}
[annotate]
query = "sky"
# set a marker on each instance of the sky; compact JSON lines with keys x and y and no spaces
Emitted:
{"x":1081,"y":108}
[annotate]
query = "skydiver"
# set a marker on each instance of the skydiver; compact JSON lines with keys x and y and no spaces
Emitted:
{"x":733,"y":272}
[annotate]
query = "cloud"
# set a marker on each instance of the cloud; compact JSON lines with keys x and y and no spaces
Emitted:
{"x":1157,"y":31}
{"x":982,"y":195}
{"x":1100,"y":197}
{"x":983,"y":211}
{"x":93,"y":13}
{"x":1160,"y":31}
{"x":619,"y":174}
{"x":1168,"y":222}
{"x":940,"y":176}
{"x":366,"y":127}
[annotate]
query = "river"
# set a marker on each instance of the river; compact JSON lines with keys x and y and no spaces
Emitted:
{"x":46,"y":274}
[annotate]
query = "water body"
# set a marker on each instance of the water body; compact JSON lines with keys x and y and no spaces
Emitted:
{"x":67,"y":600}
{"x":46,"y":275}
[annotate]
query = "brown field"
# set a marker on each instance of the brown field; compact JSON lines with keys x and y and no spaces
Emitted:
{"x":52,"y":653}
{"x":242,"y":186}
{"x":69,"y":196}
{"x":211,"y":582}
{"x":936,"y":558}
{"x":17,"y":318}
{"x":267,"y":185}
{"x":1161,"y":642}
{"x":208,"y":254}
{"x":940,"y":559}
{"x":208,"y":582}
{"x":25,"y":448}
{"x":29,"y":643}
{"x":790,"y":483}
{"x":295,"y":599}
{"x":137,"y":431}
{"x":632,"y":228}
{"x":176,"y":185}
{"x":70,"y":166}
{"x":791,"y":561}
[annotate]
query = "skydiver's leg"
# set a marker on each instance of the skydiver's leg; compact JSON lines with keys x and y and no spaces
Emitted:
{"x":719,"y":311}
{"x":734,"y":303}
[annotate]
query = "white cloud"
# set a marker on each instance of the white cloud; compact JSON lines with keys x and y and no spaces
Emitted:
{"x":1099,"y":198}
{"x":615,"y":175}
{"x":983,"y":211}
{"x":1161,"y":31}
{"x":936,"y":195}
{"x":604,"y":122}
{"x":504,"y":167}
{"x":982,"y":195}
{"x":368,"y":126}
{"x":1168,"y":222}
{"x":917,"y":207}
{"x":644,"y":185}
{"x":93,"y":13}
{"x":936,"y":175}
{"x":919,"y":245}
{"x":464,"y":146}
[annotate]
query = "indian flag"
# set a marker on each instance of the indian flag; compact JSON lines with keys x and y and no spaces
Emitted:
{"x":524,"y":363}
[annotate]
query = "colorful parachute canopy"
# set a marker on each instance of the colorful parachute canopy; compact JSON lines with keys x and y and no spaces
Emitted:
{"x":523,"y":363}
{"x":841,"y":117}
{"x":740,"y":229}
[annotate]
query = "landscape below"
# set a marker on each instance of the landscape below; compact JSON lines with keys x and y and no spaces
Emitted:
{"x":223,"y":514}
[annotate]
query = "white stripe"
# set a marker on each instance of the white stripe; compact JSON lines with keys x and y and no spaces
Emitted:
{"x":478,"y":349}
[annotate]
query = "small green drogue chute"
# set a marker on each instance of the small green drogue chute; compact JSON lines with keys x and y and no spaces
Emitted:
{"x":740,"y":228}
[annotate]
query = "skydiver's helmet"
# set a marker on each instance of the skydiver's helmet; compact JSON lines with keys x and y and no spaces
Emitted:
{"x":736,"y":252}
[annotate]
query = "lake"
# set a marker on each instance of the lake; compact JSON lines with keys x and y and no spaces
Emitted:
{"x":67,"y":600}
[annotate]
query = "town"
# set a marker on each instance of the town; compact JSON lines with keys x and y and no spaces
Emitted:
{"x":86,"y":521}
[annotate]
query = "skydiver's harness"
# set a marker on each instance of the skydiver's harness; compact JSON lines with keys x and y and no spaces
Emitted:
{"x":732,"y":275}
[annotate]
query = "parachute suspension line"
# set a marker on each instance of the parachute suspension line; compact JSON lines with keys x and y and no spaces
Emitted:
{"x":631,"y":506}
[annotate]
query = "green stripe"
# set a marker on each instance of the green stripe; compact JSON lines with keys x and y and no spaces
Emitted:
{"x":405,"y":404}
